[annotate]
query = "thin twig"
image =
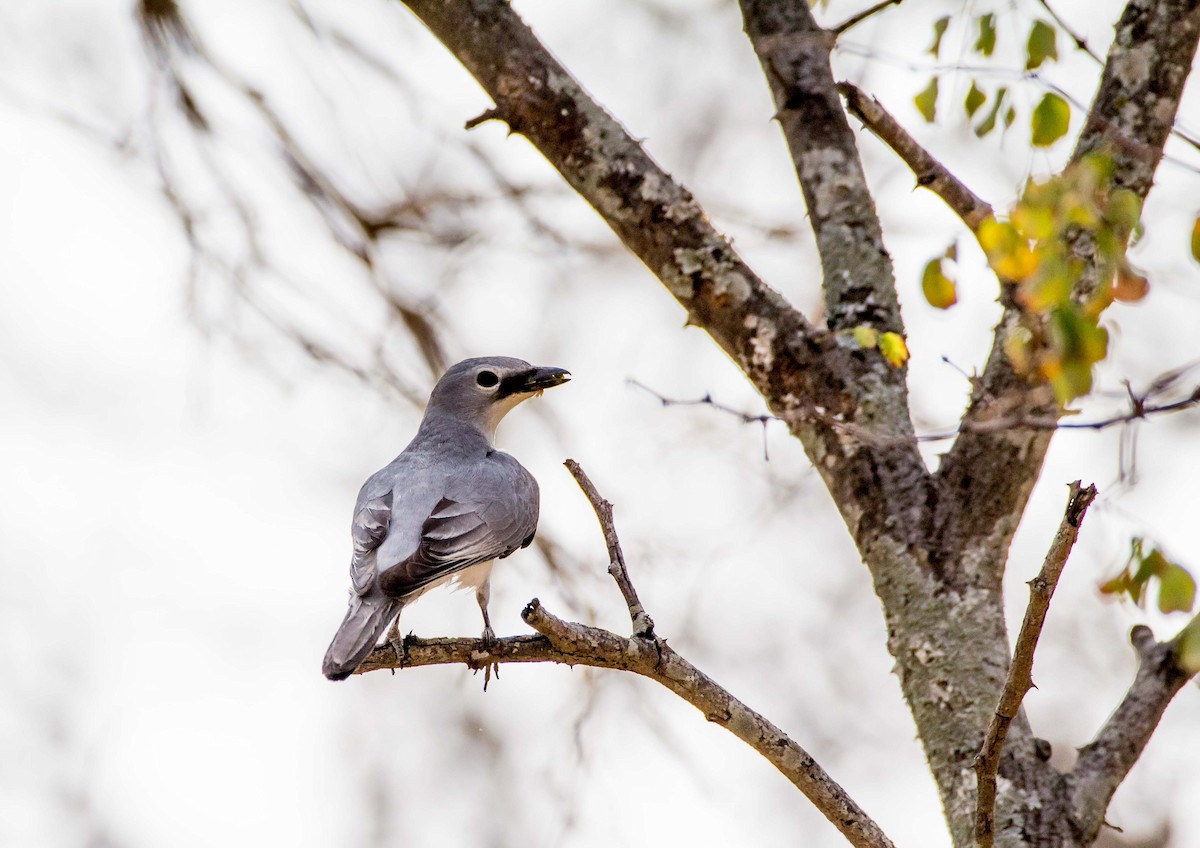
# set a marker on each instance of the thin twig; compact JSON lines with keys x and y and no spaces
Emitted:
{"x":1138,"y":410}
{"x":856,"y":19}
{"x":930,"y":173}
{"x":643,"y":625}
{"x":1020,"y":672}
{"x":746,"y":417}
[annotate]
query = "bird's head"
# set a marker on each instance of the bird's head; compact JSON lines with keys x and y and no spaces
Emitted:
{"x":483,"y":390}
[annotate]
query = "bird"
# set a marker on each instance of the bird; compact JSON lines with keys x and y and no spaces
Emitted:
{"x":445,"y":509}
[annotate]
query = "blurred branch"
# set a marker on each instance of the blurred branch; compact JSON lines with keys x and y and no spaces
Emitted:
{"x":1020,"y":671}
{"x":930,"y":173}
{"x":1105,"y":761}
{"x":856,"y":19}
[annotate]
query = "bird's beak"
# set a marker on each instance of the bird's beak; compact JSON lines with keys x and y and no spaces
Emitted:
{"x":536,"y":379}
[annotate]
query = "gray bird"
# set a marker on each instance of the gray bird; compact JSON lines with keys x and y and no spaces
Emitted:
{"x":446,"y":508}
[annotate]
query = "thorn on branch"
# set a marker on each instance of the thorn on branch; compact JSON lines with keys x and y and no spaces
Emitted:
{"x":493,"y":114}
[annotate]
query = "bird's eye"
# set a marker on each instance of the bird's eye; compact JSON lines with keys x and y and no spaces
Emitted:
{"x":487,"y":379}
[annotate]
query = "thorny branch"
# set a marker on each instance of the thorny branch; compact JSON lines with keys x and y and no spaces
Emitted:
{"x":571,"y":643}
{"x":1020,"y":672}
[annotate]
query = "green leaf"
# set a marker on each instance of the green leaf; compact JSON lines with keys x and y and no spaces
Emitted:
{"x":986,"y":42}
{"x":989,"y":122}
{"x":1043,"y":45}
{"x":939,"y":29}
{"x":1196,"y":240}
{"x":926,"y":101}
{"x":938,"y":289}
{"x":1176,"y":589}
{"x":1010,"y":115}
{"x":1051,"y":119}
{"x":1187,"y":649}
{"x":975,"y":99}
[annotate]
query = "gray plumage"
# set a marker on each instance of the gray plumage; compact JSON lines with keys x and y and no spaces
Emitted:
{"x":446,"y":508}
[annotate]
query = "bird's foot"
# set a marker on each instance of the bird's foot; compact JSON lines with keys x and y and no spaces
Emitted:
{"x":396,"y":641}
{"x":488,"y":641}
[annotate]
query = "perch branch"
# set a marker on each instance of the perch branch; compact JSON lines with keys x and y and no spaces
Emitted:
{"x":930,"y":173}
{"x":1020,"y":671}
{"x":1105,"y":761}
{"x":573,"y":644}
{"x":643,"y":625}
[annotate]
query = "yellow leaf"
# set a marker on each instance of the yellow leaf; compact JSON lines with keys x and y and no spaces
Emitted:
{"x":1016,"y":348}
{"x":893,"y":348}
{"x":1196,"y":240}
{"x":938,"y":289}
{"x":866,"y":336}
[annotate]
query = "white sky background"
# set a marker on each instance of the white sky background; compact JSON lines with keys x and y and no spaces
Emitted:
{"x":173,"y":521}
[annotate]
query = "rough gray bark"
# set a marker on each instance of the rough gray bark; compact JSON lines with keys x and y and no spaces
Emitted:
{"x":936,"y":544}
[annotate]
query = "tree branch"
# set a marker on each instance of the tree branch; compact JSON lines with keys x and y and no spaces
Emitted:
{"x":794,"y":53}
{"x":573,"y":644}
{"x":986,"y":477}
{"x":657,"y":219}
{"x":807,"y":376}
{"x":643,"y":625}
{"x":1105,"y":761}
{"x":930,"y":173}
{"x":1020,"y":671}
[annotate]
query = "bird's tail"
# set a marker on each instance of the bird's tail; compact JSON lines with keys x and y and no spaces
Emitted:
{"x":365,"y":621}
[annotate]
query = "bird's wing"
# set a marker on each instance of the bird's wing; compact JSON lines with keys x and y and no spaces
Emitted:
{"x":368,"y":529}
{"x":486,"y":512}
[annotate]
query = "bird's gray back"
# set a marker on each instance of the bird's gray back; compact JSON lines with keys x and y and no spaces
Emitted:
{"x":446,"y":502}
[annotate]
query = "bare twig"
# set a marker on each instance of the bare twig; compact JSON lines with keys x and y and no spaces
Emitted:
{"x":762,"y":418}
{"x":1020,"y":672}
{"x":1139,"y":409}
{"x":856,"y":19}
{"x":1105,"y":761}
{"x":572,"y":644}
{"x":930,"y":173}
{"x":643,"y":625}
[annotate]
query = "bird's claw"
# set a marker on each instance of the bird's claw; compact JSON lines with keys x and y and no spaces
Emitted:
{"x":396,"y":641}
{"x":488,"y":640}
